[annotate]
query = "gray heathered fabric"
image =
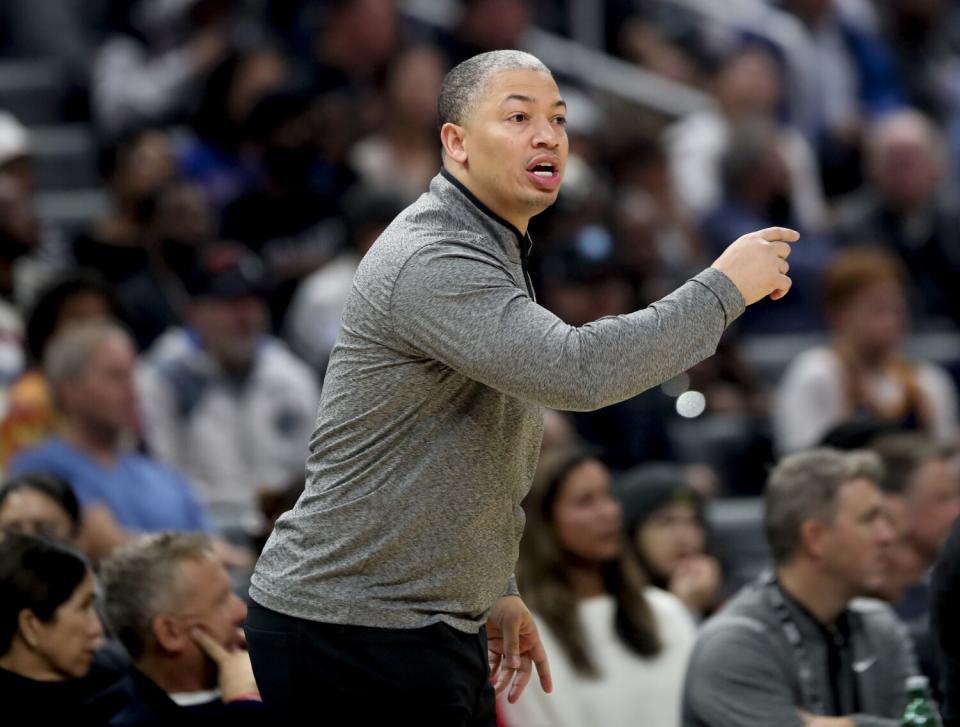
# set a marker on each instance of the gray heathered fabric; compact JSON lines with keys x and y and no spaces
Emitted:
{"x":430,"y":418}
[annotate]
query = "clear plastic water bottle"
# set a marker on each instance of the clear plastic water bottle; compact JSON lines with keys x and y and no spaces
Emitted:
{"x":920,"y":711}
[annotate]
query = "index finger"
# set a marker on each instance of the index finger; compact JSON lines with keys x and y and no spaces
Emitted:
{"x":208,"y":644}
{"x":775,"y":234}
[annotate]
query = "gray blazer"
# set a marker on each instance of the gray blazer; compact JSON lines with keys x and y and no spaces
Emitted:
{"x":744,"y":672}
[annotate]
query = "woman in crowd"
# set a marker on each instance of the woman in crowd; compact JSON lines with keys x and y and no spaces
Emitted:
{"x":863,"y":374}
{"x":49,"y":632}
{"x":618,"y":647}
{"x":664,"y":521}
{"x":40,"y":504}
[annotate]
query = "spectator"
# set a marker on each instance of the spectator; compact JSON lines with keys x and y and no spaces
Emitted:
{"x":42,"y":505}
{"x":215,"y":157}
{"x":32,"y":251}
{"x":923,"y":497}
{"x":758,"y":192}
{"x":665,"y":525}
{"x":49,"y":631}
{"x":487,"y":25}
{"x":30,"y":415}
{"x":135,"y":168}
{"x":313,"y":320}
{"x":906,"y":209}
{"x":944,"y":594}
{"x":229,"y":406}
{"x":862,"y":373}
{"x":618,"y":648}
{"x":145,"y":73}
{"x":289,"y":218}
{"x":747,"y":84}
{"x":168,"y":598}
{"x":90,"y":369}
{"x":795,"y":647}
{"x":582,"y":282}
{"x":402,"y":155}
{"x":356,"y":45}
{"x":855,"y":81}
{"x":923,"y":36}
{"x":180,"y":225}
{"x":16,"y":152}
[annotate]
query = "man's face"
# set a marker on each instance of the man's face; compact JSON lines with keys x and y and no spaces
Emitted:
{"x":209,"y":604}
{"x":103,"y":396}
{"x":230,"y":328}
{"x":932,"y":504}
{"x":854,"y":546}
{"x":515,"y":144}
{"x":904,"y":565}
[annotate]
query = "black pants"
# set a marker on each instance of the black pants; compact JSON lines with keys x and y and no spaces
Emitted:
{"x":355,"y":675}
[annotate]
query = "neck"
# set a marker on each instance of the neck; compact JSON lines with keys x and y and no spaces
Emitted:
{"x":22,"y":660}
{"x":586,"y":579}
{"x":99,"y":443}
{"x":460,"y":174}
{"x":818,"y":593}
{"x":171,"y":675}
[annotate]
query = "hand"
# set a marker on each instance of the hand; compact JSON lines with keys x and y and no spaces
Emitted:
{"x":234,"y":670}
{"x":696,"y":581}
{"x":813,"y":720}
{"x":514,"y":647}
{"x":757,"y":263}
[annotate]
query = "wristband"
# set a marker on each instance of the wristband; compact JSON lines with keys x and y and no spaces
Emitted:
{"x":248,"y":697}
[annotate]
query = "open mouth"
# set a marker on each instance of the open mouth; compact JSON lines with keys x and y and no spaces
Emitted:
{"x":543,"y":169}
{"x":545,"y":173}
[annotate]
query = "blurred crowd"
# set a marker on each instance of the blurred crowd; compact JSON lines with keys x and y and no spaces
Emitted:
{"x":161,"y":364}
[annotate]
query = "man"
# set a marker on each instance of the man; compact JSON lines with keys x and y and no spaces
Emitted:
{"x":90,"y":370}
{"x":229,"y":406}
{"x":944,"y":606}
{"x":923,"y":498}
{"x":382,"y":577}
{"x":907,"y":209}
{"x":167,"y":597}
{"x":795,"y":648}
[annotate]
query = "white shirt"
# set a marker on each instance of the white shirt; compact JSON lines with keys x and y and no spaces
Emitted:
{"x":811,"y":399}
{"x":231,"y":442}
{"x":630,"y":691}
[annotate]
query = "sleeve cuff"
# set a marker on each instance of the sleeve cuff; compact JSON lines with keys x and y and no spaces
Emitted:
{"x":512,"y":589}
{"x":728,"y":295}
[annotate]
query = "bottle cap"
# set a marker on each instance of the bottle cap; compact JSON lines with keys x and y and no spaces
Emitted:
{"x":917,"y":682}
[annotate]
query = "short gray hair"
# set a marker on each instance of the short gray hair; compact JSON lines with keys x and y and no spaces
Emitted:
{"x":140,"y":582}
{"x":804,"y":486}
{"x":466,"y":83}
{"x":69,"y":352}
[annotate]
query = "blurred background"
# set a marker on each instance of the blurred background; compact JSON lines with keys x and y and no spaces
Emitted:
{"x":216,"y":169}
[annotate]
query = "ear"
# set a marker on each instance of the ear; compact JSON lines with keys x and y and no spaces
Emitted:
{"x":812,"y":538}
{"x":30,"y":627}
{"x":452,"y":137}
{"x":169,"y":634}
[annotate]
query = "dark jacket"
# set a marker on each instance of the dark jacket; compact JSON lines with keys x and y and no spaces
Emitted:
{"x":744,"y":672}
{"x":150,"y":706}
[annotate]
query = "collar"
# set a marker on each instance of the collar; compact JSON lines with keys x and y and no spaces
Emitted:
{"x":524,"y":243}
{"x":192,"y":699}
{"x":840,"y":627}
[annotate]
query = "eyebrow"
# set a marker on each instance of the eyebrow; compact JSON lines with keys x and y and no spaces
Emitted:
{"x":530,"y":99}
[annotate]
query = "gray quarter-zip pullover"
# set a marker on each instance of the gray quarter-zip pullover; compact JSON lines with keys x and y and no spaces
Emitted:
{"x":430,"y":417}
